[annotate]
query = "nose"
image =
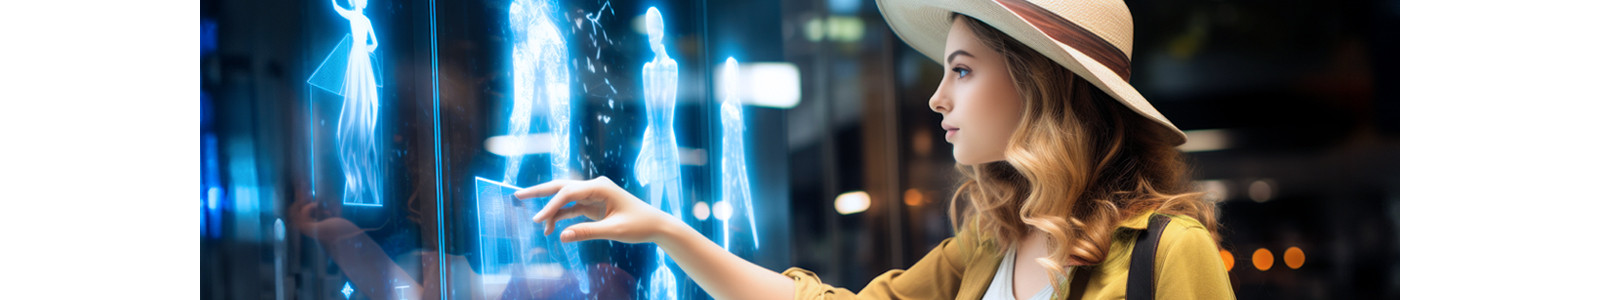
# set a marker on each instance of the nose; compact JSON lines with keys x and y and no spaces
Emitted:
{"x":940,"y":101}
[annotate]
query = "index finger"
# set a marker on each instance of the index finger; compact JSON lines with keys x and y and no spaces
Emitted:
{"x":576,"y":192}
{"x":543,"y":189}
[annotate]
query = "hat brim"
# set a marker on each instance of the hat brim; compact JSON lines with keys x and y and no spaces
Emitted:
{"x":924,"y":24}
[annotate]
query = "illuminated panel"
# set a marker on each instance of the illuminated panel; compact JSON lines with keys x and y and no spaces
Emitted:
{"x":357,"y":145}
{"x":657,"y":165}
{"x":511,"y":247}
{"x":735,"y":182}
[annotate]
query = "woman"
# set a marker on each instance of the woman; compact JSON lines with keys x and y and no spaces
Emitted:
{"x":1065,"y":166}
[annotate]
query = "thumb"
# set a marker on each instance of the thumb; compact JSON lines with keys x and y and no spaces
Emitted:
{"x":587,"y":231}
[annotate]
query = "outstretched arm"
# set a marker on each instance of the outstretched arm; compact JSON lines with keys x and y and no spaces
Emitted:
{"x":340,"y":9}
{"x":722,"y":274}
{"x":624,"y":218}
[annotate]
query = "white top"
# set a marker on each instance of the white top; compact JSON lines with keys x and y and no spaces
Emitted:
{"x":1000,"y":286}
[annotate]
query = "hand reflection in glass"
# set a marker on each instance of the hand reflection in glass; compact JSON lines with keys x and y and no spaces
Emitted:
{"x":415,"y":274}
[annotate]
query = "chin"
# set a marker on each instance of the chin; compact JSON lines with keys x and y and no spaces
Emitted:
{"x":970,"y":160}
{"x":963,"y":162}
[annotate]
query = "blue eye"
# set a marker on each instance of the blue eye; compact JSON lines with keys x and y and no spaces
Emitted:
{"x":961,"y":72}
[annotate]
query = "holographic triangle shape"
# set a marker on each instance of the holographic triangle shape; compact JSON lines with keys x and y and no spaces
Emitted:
{"x":329,"y":75}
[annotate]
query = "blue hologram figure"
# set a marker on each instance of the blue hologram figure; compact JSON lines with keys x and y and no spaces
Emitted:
{"x":358,"y":118}
{"x":541,"y":87}
{"x":657,"y":165}
{"x":541,"y":82}
{"x":735,"y":181}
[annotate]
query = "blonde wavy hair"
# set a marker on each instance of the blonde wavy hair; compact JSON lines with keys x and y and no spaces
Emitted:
{"x":1078,"y":164}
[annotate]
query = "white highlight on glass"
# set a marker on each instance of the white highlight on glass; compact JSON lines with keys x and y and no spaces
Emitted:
{"x":722,"y":210}
{"x":852,"y":202}
{"x":701,"y":210}
{"x":516,"y":146}
{"x":765,"y":84}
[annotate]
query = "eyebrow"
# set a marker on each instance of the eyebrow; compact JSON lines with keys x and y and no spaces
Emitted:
{"x":952,"y":56}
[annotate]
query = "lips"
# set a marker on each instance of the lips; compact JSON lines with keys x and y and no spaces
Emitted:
{"x":949,"y":131}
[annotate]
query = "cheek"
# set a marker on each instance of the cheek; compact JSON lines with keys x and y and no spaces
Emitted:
{"x":1000,"y":109}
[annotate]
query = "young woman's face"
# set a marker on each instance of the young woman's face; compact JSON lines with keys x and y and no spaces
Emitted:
{"x":980,"y":104}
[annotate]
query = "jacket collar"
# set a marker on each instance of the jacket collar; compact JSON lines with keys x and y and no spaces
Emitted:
{"x":1139,"y":222}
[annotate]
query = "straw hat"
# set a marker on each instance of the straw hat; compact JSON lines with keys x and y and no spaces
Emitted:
{"x":1093,"y":38}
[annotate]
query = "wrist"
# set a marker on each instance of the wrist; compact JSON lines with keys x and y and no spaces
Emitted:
{"x":672,"y":232}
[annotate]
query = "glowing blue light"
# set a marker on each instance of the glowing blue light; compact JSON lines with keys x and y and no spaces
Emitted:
{"x":663,"y":284}
{"x":510,"y":244}
{"x":347,"y":290}
{"x":541,"y":87}
{"x":357,"y":145}
{"x":330,"y":74}
{"x":657,"y":165}
{"x":735,"y":182}
{"x":541,"y":84}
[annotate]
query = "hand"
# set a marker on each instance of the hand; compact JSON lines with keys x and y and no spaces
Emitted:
{"x":309,"y":218}
{"x":619,"y":215}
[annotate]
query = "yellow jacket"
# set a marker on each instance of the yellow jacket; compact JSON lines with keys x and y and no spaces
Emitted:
{"x":1187,"y":266}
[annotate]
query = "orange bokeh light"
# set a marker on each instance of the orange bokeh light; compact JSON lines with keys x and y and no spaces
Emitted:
{"x":913,"y":197}
{"x":1227,"y":260}
{"x":1262,"y":259}
{"x":1294,"y":258}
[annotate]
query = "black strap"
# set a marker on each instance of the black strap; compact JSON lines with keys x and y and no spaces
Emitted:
{"x":1141,"y":271}
{"x":1080,"y":281}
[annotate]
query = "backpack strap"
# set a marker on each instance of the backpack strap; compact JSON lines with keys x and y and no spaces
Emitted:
{"x":1141,"y":270}
{"x":1079,"y":282}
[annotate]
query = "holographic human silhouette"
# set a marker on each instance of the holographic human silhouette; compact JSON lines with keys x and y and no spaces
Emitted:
{"x":541,"y":88}
{"x":541,"y":84}
{"x":657,"y":165}
{"x":358,"y":119}
{"x":735,"y":182}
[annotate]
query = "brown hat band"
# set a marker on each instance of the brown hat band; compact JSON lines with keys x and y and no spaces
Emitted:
{"x":1064,"y":31}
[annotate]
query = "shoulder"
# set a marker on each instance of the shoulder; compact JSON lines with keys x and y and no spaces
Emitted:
{"x":974,"y":243}
{"x":1187,"y":246}
{"x":1184,"y":239}
{"x":1188,"y":263}
{"x":1186,"y":232}
{"x":1183,"y":221}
